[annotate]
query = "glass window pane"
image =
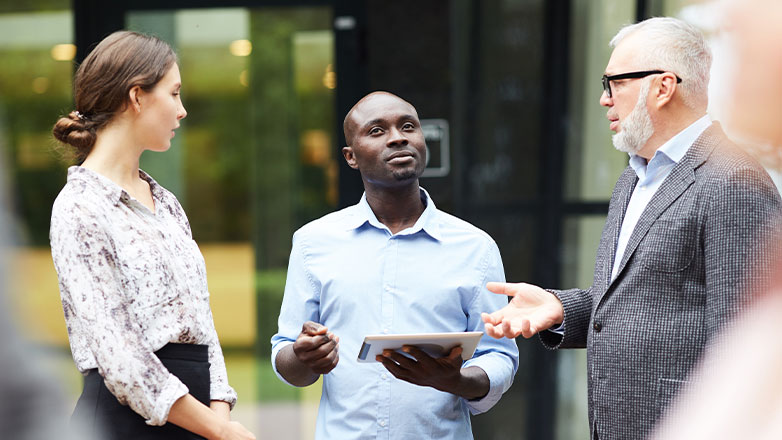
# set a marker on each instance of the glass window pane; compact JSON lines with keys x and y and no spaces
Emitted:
{"x":581,"y":236}
{"x":592,"y":164}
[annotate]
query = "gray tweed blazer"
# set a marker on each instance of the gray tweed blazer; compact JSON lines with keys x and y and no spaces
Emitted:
{"x":682,"y":277}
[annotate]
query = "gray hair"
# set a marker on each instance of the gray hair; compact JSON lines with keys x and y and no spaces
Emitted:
{"x":676,"y":46}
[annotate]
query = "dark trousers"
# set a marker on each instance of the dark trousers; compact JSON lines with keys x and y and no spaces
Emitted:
{"x":99,"y":409}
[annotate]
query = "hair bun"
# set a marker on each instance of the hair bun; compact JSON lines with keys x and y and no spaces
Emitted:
{"x":74,"y":130}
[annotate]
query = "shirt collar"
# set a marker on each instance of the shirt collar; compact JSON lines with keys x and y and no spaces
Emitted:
{"x":108,"y":187}
{"x":362,"y":214}
{"x":675,"y":148}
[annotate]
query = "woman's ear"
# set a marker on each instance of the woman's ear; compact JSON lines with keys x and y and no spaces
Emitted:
{"x":135,"y":98}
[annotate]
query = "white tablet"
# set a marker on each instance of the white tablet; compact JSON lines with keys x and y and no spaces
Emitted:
{"x":435,"y":344}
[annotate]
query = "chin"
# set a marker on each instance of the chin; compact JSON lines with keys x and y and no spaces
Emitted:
{"x":161,"y":148}
{"x":405,"y":175}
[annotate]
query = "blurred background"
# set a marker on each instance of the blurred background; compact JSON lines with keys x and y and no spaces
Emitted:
{"x":518,"y":145}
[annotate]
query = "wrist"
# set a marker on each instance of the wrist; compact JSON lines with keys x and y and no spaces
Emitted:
{"x":473,"y":383}
{"x":221,"y":408}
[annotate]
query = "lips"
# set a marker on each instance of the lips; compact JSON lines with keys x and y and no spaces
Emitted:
{"x":614,"y":125}
{"x":400,"y":157}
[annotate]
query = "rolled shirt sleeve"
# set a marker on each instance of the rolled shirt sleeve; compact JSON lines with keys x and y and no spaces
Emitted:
{"x":499,"y":358}
{"x":219,"y":388}
{"x":300,"y":289}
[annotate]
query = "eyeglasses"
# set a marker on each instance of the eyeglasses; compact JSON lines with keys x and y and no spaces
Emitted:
{"x":631,"y":75}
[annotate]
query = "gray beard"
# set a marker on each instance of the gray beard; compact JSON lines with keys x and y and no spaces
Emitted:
{"x":637,"y":128}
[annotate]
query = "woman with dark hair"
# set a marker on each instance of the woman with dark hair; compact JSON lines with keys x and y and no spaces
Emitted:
{"x":132,"y":280}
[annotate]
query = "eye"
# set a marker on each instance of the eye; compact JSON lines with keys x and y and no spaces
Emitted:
{"x":408,"y":126}
{"x":618,"y":84}
{"x":375,"y":131}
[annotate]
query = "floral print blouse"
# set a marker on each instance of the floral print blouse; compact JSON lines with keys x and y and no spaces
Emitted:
{"x":131,"y":281}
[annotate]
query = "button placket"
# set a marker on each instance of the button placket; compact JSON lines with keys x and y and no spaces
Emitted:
{"x":389,"y":270}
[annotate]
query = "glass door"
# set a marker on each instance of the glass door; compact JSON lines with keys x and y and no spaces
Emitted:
{"x":255,"y":159}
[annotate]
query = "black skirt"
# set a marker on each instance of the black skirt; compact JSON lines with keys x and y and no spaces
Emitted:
{"x":99,"y":409}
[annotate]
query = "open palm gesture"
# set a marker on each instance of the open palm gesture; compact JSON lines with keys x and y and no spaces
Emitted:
{"x":531,"y":310}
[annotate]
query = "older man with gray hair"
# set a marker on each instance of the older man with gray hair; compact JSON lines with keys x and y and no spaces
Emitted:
{"x":679,"y":240}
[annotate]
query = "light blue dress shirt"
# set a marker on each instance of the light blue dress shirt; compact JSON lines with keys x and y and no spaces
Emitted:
{"x":348,"y":272}
{"x":650,"y":176}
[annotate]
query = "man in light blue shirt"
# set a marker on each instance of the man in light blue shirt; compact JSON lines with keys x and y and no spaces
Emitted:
{"x":392,"y":264}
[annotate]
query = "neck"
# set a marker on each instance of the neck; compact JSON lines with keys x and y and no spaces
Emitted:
{"x":668,"y":127}
{"x":115,"y":156}
{"x":398,"y":208}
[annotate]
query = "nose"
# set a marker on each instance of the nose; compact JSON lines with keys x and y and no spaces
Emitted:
{"x":605,"y":100}
{"x":181,"y":113}
{"x":396,"y":138}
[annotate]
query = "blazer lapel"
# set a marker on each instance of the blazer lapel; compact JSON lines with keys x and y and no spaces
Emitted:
{"x":681,"y":177}
{"x":624,"y":188}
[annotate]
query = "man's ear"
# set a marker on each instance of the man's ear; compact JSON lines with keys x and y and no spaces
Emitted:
{"x":134,"y":98}
{"x":666,"y":89}
{"x":350,"y":158}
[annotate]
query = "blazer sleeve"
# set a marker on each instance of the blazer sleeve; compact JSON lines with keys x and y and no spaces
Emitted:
{"x":577,"y":305}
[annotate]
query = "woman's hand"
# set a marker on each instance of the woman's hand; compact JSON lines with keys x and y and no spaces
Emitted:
{"x":234,"y":431}
{"x":207,"y":421}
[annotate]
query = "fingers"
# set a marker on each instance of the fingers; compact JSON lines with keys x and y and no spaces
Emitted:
{"x":498,"y":325}
{"x":501,"y":288}
{"x":507,"y":329}
{"x":317,"y":348}
{"x":456,"y":353}
{"x":402,"y":360}
{"x":491,"y":318}
{"x":395,"y":369}
{"x":325,"y":365}
{"x":515,"y":328}
{"x":527,"y":330}
{"x":313,"y":328}
{"x":493,"y":331}
{"x":321,"y":360}
{"x":311,"y":343}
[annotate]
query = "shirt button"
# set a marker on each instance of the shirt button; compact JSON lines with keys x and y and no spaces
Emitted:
{"x":385,"y":330}
{"x":597,"y":326}
{"x":642,"y":187}
{"x":382,"y":423}
{"x":384,"y":376}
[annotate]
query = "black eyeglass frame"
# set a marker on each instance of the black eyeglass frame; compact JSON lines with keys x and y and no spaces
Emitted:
{"x":631,"y":75}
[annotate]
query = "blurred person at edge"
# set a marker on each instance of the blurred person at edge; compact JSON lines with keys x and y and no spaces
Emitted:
{"x":739,"y":393}
{"x":33,"y":405}
{"x":132,"y":280}
{"x":682,"y":230}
